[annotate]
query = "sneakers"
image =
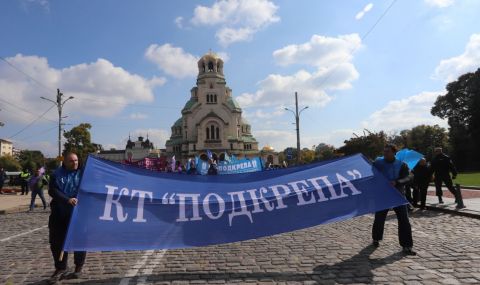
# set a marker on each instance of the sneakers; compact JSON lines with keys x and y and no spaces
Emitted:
{"x":408,"y":251}
{"x":376,"y":243}
{"x":56,"y":276}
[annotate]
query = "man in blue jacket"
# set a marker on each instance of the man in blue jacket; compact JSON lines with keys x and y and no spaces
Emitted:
{"x":398,"y":174}
{"x":63,"y":188}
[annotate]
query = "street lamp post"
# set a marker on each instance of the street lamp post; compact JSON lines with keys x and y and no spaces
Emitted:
{"x":297,"y":113}
{"x":59,"y":105}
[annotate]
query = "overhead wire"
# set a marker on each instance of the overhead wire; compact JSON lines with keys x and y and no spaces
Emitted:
{"x":31,"y":123}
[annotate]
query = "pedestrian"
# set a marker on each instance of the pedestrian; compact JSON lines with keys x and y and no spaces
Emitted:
{"x":212,"y":169}
{"x":3,"y":178}
{"x":24,"y":178}
{"x":192,"y":170}
{"x":442,"y":166}
{"x":63,"y":188}
{"x":398,"y":174}
{"x":36,"y":184}
{"x":422,"y":176}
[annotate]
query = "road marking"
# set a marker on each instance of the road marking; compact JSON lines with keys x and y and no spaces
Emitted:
{"x":22,"y":234}
{"x":148,"y":271}
{"x":134,"y":270}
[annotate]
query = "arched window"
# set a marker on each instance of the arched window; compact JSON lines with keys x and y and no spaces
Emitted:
{"x":212,"y":131}
{"x":218,"y":133}
{"x":215,"y":98}
{"x":208,"y":133}
{"x":210,"y":66}
{"x":208,"y":98}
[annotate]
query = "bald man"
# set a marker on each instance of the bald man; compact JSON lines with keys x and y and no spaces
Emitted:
{"x":63,"y":188}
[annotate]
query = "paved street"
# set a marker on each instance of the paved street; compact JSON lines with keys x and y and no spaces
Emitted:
{"x":448,"y":253}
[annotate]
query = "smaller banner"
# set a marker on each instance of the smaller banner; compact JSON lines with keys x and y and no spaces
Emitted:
{"x":235,"y":167}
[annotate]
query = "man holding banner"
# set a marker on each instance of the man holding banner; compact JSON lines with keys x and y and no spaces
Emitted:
{"x":63,"y":188}
{"x":397,"y":173}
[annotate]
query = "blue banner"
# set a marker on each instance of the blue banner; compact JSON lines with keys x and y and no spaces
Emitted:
{"x":234,"y":167}
{"x":126,"y":208}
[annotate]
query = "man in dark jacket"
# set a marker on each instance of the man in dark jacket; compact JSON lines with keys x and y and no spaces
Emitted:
{"x":398,"y":174}
{"x":212,"y":169}
{"x":422,"y":176}
{"x":63,"y":188}
{"x":442,"y":166}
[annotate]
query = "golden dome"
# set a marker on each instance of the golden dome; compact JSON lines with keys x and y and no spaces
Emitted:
{"x":268,"y":148}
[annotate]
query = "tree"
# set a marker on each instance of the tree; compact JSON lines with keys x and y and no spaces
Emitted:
{"x":307,"y":156}
{"x":31,"y":159}
{"x":51,"y":164}
{"x":325,"y":151}
{"x":9,"y":163}
{"x":79,"y":142}
{"x":371,"y":144}
{"x":424,"y":139}
{"x":461,"y":106}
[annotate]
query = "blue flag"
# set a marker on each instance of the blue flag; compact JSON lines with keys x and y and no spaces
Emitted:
{"x":126,"y":208}
{"x":410,"y":157}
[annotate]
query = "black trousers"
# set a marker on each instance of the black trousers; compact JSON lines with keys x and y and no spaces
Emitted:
{"x":58,"y":226}
{"x":24,"y":185}
{"x":404,"y":227}
{"x":448,"y":183}
{"x":420,"y":193}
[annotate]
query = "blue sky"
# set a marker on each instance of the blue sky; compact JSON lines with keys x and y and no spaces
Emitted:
{"x":131,"y":65}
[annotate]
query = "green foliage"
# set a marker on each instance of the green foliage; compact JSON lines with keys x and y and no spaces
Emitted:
{"x":79,"y":142}
{"x":51,"y":164}
{"x":31,"y":159}
{"x":9,"y":163}
{"x":425,"y":138}
{"x":307,"y":156}
{"x":325,"y":152}
{"x":371,"y":145}
{"x":461,"y":106}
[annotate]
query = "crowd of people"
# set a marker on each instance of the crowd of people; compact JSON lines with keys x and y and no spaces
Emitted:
{"x":63,"y":187}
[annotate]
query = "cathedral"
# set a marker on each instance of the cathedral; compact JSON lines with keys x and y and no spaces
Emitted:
{"x":211,"y":119}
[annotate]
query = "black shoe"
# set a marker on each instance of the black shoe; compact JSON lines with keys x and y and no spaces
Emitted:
{"x":56,"y":276}
{"x":460,"y":206}
{"x":408,"y":251}
{"x":77,"y":273}
{"x":440,"y":200}
{"x":376,"y":243}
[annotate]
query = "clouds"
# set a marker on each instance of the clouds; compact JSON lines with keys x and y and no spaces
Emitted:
{"x":440,"y":3}
{"x":330,"y":57}
{"x":237,"y":20}
{"x":405,"y":113}
{"x":450,"y":69}
{"x":365,"y":10}
{"x":172,"y":60}
{"x":94,"y":85}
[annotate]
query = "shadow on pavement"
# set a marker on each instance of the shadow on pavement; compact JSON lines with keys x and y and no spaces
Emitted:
{"x":357,"y":269}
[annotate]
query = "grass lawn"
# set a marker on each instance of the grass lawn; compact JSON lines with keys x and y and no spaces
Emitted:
{"x":468,"y":179}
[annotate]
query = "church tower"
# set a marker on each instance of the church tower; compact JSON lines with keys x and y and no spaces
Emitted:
{"x":211,"y":118}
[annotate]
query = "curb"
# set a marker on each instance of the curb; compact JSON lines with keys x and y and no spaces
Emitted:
{"x":463,"y":212}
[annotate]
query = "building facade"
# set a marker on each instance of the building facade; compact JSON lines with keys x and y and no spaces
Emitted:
{"x":134,"y":150}
{"x":211,"y":119}
{"x":6,"y":147}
